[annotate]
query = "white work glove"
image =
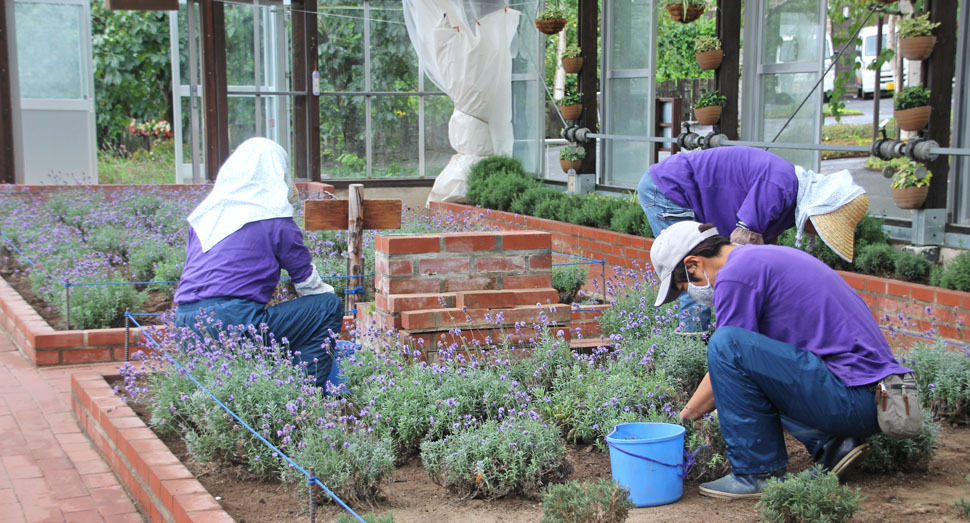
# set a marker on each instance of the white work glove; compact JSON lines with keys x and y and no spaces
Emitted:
{"x":744,"y":236}
{"x":312,"y":285}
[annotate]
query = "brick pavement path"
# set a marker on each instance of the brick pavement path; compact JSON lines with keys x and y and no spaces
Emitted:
{"x":49,"y":469}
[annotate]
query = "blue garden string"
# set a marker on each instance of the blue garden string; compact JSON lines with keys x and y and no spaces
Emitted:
{"x":689,"y":459}
{"x":244,"y":424}
{"x":915,"y":335}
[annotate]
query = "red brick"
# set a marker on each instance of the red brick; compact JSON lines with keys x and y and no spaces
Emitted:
{"x":189,"y":503}
{"x":470,"y":242}
{"x":588,"y":312}
{"x":877,"y":285}
{"x":922,"y":293}
{"x":58,"y":340}
{"x":105,"y":337}
{"x":540,"y":262}
{"x":898,"y":289}
{"x":505,"y":298}
{"x":47,"y":357}
{"x":529,"y":281}
{"x":856,"y":281}
{"x":526,"y":240}
{"x":412,"y":302}
{"x":86,"y":355}
{"x":380,"y":301}
{"x":210,"y":516}
{"x":435,"y":266}
{"x":418,"y":320}
{"x":500,"y":264}
{"x":400,"y":267}
{"x":410,"y":244}
{"x":950,"y":298}
{"x":413,"y":286}
{"x":471,"y":284}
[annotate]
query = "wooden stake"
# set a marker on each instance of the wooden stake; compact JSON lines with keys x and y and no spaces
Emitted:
{"x":355,"y":242}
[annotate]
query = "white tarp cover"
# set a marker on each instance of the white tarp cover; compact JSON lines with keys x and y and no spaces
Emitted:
{"x":466,"y":49}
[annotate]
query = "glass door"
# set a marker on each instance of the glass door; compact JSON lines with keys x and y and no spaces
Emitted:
{"x":56,"y":91}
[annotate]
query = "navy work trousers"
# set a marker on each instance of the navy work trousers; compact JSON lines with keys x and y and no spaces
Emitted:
{"x":308,"y":323}
{"x":762,"y":385}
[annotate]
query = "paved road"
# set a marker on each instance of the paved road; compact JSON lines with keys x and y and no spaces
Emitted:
{"x":866,"y":106}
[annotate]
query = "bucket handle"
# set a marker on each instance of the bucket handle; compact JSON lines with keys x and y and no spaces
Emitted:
{"x":689,"y":459}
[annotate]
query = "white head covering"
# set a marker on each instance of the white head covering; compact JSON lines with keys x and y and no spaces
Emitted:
{"x":254,"y":184}
{"x":822,"y":194}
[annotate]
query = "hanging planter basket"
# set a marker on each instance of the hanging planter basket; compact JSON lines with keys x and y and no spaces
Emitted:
{"x":910,"y":197}
{"x":917,"y":48}
{"x":570,"y":164}
{"x":912,"y":119}
{"x":550,"y":26}
{"x":708,"y":115}
{"x":571,"y":112}
{"x":710,"y":59}
{"x":684,"y":16}
{"x":572,"y":65}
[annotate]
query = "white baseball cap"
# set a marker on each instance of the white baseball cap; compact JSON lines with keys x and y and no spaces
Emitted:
{"x":669,"y":249}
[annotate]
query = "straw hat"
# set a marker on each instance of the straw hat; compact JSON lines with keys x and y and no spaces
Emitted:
{"x":837,"y":228}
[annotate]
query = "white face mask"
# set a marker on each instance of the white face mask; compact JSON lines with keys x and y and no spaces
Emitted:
{"x":703,"y":295}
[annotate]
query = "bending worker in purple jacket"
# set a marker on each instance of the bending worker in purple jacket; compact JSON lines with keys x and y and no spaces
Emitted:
{"x":240,"y":237}
{"x":754,"y":193}
{"x":795,"y":348}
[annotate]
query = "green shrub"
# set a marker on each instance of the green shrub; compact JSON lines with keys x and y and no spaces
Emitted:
{"x":568,"y":280}
{"x":943,"y":376}
{"x":501,"y":189}
{"x":602,"y":501}
{"x":911,"y":97}
{"x":809,"y":496}
{"x":878,"y":259}
{"x":955,"y":275}
{"x":912,"y":267}
{"x":552,"y":206}
{"x":369,"y":518}
{"x":494,"y":164}
{"x":526,"y":202}
{"x":630,"y":219}
{"x":596,"y":211}
{"x":496,"y":459}
{"x":868,"y":231}
{"x":962,"y":504}
{"x":890,"y":455}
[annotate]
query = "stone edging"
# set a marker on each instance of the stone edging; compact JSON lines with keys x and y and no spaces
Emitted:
{"x":158,"y":482}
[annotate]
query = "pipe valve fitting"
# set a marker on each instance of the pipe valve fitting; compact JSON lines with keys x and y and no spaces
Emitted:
{"x":575,"y":134}
{"x":918,"y":150}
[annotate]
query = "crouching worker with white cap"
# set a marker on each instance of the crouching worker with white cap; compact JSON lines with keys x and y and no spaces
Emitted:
{"x":240,"y":237}
{"x":795,"y":348}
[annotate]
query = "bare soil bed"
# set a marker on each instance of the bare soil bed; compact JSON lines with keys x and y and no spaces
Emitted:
{"x":411,"y":496}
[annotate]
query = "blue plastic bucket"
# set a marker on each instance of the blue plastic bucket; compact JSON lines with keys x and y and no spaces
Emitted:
{"x":648,"y":459}
{"x":341,"y":351}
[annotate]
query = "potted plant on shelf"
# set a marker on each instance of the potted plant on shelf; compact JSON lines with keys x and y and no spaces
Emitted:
{"x":551,"y":20}
{"x":916,"y":38}
{"x":912,"y":108}
{"x":571,"y":157}
{"x":685,"y":11}
{"x":708,"y":107}
{"x":707,"y":50}
{"x":571,"y":105}
{"x":911,"y":183}
{"x":572,"y":61}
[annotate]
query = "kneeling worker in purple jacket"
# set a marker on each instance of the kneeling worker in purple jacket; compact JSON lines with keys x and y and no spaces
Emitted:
{"x":240,"y":237}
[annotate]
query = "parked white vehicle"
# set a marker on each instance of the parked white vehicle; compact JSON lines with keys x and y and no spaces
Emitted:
{"x":865,"y":77}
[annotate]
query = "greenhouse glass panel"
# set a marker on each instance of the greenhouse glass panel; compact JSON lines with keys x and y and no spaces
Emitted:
{"x":182,"y":21}
{"x":525,"y":125}
{"x":342,"y":137}
{"x":395,"y":122}
{"x":394,"y":64}
{"x":341,"y":40}
{"x":242,"y":120}
{"x":629,"y":102}
{"x":630,"y":50}
{"x":781,"y":94}
{"x":240,"y":61}
{"x":49,"y":51}
{"x":791,"y":32}
{"x":437,"y":148}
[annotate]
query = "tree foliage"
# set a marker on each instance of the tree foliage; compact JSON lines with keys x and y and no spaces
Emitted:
{"x":132,"y":69}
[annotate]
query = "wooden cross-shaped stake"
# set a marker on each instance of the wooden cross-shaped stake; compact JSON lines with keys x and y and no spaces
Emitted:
{"x":356,"y":214}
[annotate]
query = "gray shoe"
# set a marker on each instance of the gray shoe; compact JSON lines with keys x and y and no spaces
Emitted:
{"x":738,"y":486}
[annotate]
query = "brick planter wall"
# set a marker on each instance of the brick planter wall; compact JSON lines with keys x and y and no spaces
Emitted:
{"x":37,"y":339}
{"x":948,"y":314}
{"x":163,"y":488}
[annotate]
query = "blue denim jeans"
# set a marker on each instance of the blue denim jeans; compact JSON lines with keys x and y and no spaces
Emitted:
{"x":305,"y":322}
{"x":662,"y":213}
{"x":762,"y":385}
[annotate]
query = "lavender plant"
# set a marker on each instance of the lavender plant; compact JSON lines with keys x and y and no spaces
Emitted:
{"x":497,"y":458}
{"x":943,"y":376}
{"x":601,"y":501}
